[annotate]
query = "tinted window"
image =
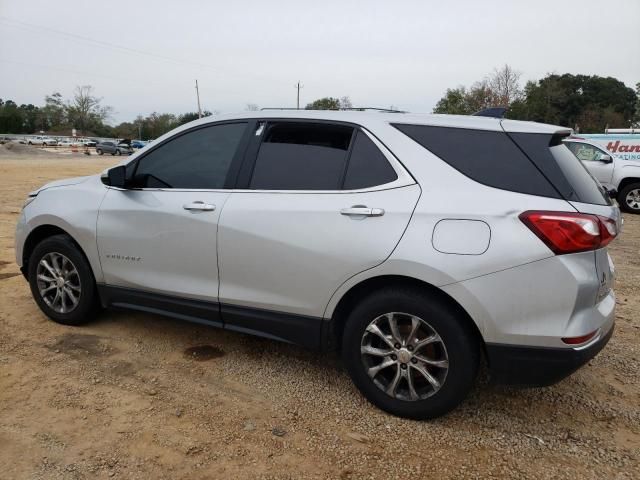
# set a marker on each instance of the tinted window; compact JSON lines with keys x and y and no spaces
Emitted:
{"x":197,"y":159}
{"x":488,"y":157}
{"x":301,"y":156}
{"x":368,"y":167}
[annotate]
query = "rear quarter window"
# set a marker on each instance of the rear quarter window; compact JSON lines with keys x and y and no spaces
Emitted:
{"x":488,"y":157}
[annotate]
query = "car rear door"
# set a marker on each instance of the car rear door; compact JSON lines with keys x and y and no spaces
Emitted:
{"x":159,"y":236}
{"x":317,"y":204}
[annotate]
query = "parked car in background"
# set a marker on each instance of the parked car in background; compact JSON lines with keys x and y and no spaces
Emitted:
{"x":138,"y":144}
{"x":113,"y":148}
{"x":87,"y":142}
{"x":415,"y":244}
{"x":44,"y":141}
{"x":68,"y":143}
{"x":615,"y":163}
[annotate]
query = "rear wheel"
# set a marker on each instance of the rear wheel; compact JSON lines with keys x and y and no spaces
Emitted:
{"x":410,"y":354}
{"x":61,"y":281}
{"x":100,"y":152}
{"x":629,"y":198}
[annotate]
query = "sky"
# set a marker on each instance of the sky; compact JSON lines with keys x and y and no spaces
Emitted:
{"x":144,"y":56}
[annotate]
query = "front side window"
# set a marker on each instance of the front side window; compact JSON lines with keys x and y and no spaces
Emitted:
{"x":199,"y":159}
{"x":584,"y":151}
{"x":301,"y":156}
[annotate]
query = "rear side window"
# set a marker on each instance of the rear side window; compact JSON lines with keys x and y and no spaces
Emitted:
{"x":488,"y":157}
{"x":301,"y":156}
{"x":368,"y":167}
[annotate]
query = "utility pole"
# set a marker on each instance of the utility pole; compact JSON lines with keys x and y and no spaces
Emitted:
{"x":198,"y":96}
{"x":298,"y":86}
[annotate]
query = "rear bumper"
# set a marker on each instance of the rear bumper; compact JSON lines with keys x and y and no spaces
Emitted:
{"x":539,"y":366}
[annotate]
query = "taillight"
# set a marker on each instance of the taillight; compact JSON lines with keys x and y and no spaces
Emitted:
{"x":569,"y":232}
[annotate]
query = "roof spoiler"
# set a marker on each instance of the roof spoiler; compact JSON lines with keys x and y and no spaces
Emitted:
{"x":493,"y":112}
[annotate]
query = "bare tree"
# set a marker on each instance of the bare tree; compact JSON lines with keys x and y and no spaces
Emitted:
{"x":252,"y":107}
{"x":504,"y":84}
{"x":345,"y":102}
{"x":85,"y":110}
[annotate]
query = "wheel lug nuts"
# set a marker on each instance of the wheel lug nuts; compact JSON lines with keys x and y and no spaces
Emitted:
{"x":397,"y":345}
{"x":410,"y":348}
{"x":394,"y":357}
{"x":413,"y":360}
{"x":403,"y":366}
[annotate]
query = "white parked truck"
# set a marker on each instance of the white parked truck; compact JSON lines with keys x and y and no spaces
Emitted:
{"x":614,"y":159}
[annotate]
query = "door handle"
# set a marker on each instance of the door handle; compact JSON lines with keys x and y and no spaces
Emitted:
{"x":201,"y":206}
{"x":362,"y":211}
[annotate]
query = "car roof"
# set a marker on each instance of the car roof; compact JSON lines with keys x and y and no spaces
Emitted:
{"x":366,"y":117}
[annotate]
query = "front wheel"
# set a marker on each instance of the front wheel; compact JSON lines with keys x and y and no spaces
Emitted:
{"x":410,"y":354}
{"x":629,"y":198}
{"x":100,"y":152}
{"x":61,"y":281}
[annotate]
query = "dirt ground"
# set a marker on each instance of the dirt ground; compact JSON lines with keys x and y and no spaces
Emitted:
{"x":141,"y":396}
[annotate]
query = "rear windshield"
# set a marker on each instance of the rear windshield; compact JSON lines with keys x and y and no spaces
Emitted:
{"x":587,"y":188}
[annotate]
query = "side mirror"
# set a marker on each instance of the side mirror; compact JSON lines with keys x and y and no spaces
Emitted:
{"x":115,"y":177}
{"x":613,"y":193}
{"x":604,"y":158}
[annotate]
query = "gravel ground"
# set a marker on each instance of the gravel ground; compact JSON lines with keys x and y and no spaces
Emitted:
{"x":141,"y":396}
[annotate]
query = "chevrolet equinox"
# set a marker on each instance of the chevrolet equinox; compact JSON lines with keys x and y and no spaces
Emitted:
{"x":416,"y":245}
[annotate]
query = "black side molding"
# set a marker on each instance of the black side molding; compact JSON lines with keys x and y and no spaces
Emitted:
{"x":198,"y":311}
{"x":306,"y":331}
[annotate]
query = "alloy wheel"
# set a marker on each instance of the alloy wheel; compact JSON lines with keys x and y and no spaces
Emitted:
{"x":633,"y":199}
{"x":58,"y":282}
{"x":404,"y":356}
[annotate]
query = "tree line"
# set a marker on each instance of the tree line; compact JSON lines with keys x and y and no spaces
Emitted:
{"x":586,"y":103}
{"x":85,"y":112}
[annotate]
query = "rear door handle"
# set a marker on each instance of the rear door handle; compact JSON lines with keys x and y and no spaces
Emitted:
{"x":205,"y":207}
{"x":361,"y":211}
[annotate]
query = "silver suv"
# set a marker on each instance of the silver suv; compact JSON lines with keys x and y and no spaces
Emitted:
{"x":415,"y":244}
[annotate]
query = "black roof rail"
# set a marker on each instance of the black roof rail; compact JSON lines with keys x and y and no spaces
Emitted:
{"x":354,"y":109}
{"x":493,"y":112}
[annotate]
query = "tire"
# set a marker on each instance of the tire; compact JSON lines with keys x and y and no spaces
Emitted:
{"x":629,"y":198}
{"x":44,"y":144}
{"x":100,"y":152}
{"x":54,"y":250}
{"x":30,"y":143}
{"x":456,"y":350}
{"x":118,"y":152}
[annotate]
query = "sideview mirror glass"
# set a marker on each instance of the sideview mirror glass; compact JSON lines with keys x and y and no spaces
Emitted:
{"x":116,"y":176}
{"x":604,"y":158}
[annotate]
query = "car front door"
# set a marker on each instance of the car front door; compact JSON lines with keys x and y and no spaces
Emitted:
{"x":317,"y":203}
{"x":159,"y":236}
{"x":590,"y":156}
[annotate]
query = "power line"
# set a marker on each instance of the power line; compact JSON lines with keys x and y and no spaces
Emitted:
{"x":134,"y":51}
{"x":68,"y":70}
